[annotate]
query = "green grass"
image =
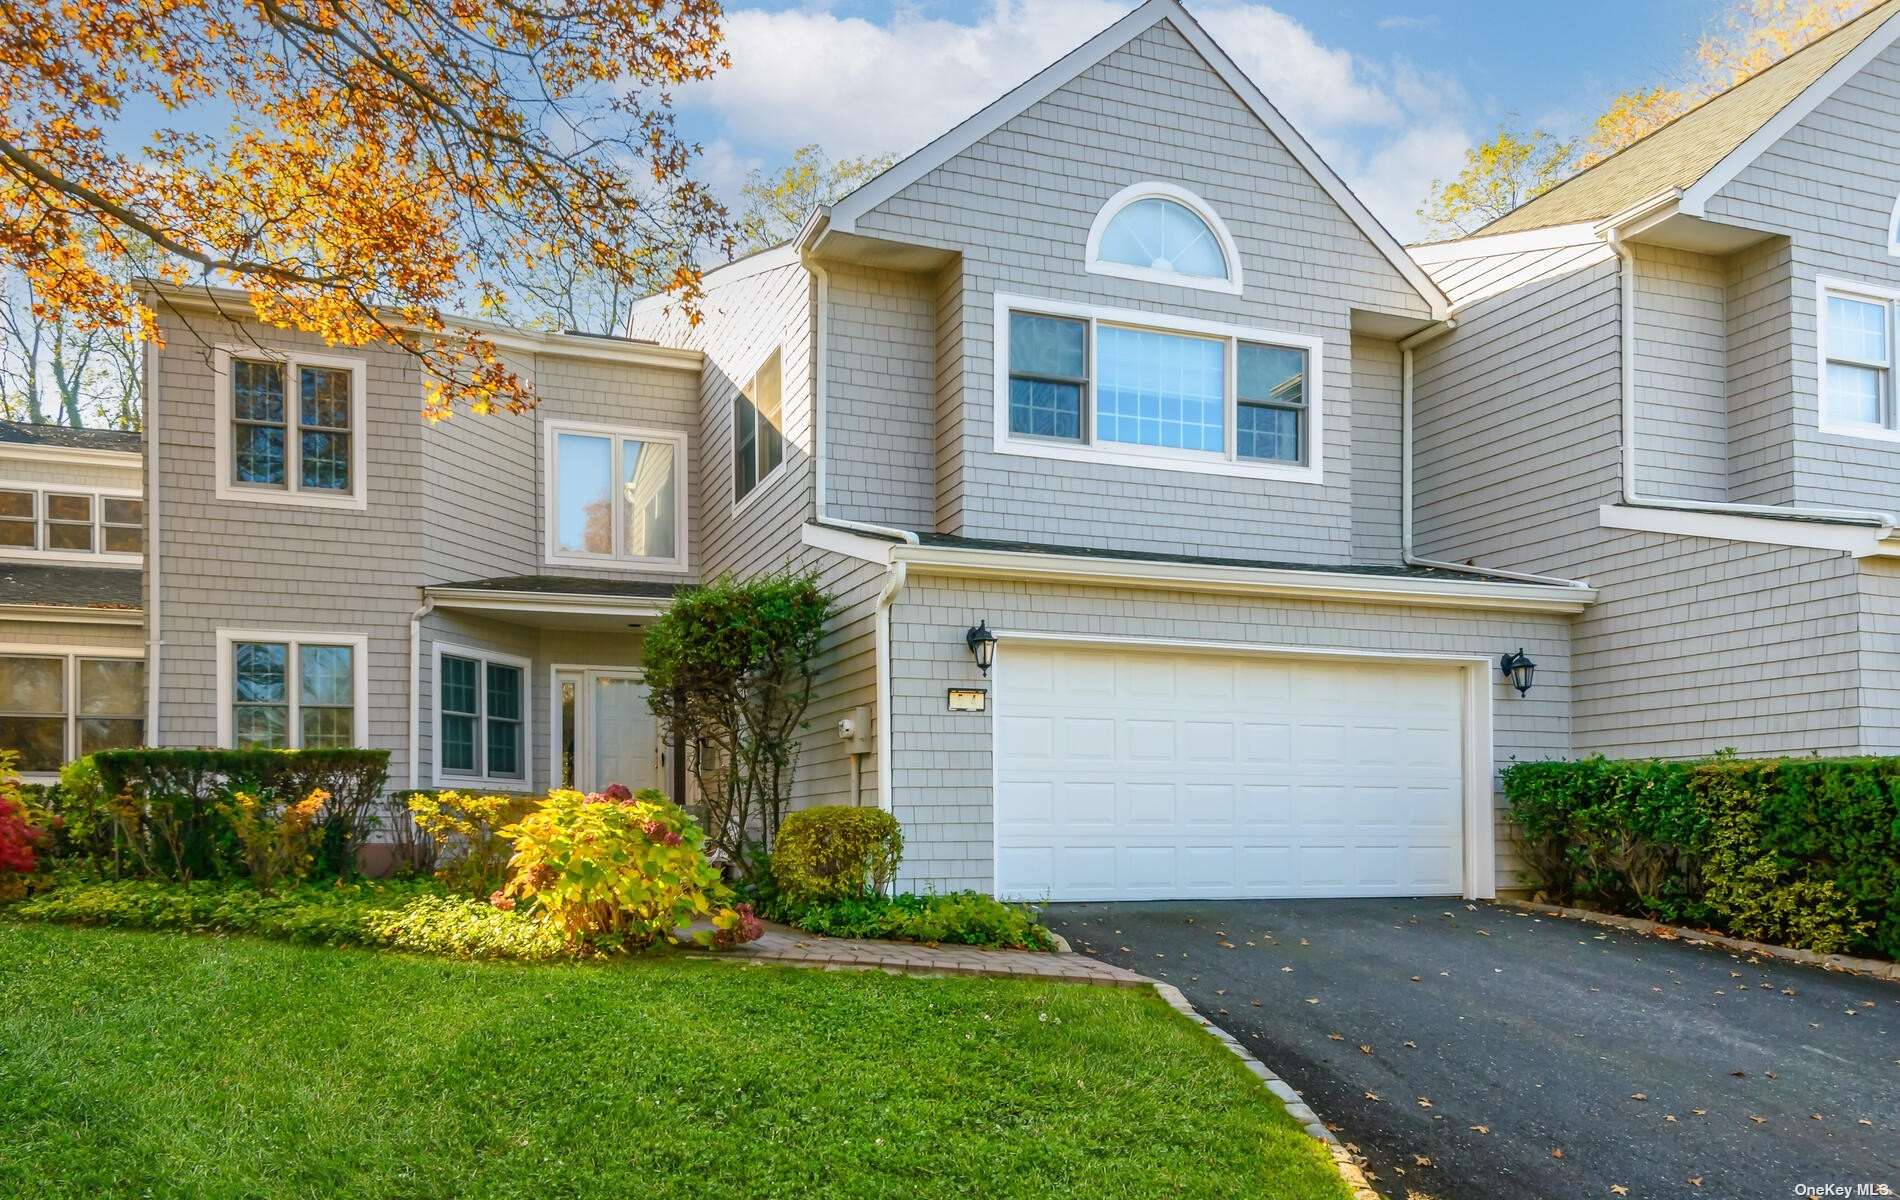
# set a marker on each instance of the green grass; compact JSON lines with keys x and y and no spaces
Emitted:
{"x":167,"y":1065}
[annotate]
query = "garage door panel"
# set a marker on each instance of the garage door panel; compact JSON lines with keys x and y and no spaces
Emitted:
{"x":1127,"y":774}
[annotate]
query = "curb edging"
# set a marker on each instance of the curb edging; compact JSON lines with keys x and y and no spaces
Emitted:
{"x":1843,"y":963}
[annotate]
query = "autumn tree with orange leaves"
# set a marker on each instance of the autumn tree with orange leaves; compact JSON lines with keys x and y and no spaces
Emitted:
{"x":358,"y":168}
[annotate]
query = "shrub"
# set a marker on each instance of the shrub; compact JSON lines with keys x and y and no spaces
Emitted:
{"x":962,"y":918}
{"x":614,"y":873}
{"x":465,"y":830}
{"x":18,"y":839}
{"x":729,"y":668}
{"x":457,"y":927}
{"x":835,"y":852}
{"x":81,"y":814}
{"x":274,"y":838}
{"x":1804,"y":852}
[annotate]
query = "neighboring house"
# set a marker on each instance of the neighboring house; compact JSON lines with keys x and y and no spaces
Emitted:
{"x":1120,"y":374}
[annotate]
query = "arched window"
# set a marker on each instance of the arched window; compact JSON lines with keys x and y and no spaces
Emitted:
{"x":1166,"y":234}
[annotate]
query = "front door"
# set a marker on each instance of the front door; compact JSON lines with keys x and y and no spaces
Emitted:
{"x":605,"y":733}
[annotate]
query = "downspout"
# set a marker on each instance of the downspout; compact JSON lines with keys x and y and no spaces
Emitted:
{"x":894,"y":578}
{"x":1626,"y":352}
{"x":415,"y":693}
{"x":1430,"y":333}
{"x":153,"y":642}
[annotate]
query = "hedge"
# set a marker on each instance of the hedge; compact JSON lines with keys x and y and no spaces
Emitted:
{"x":179,"y":791}
{"x":1798,"y":852}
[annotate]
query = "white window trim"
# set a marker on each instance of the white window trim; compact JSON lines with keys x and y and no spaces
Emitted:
{"x":98,"y":557}
{"x":555,"y":671}
{"x":785,"y":459}
{"x":292,"y":639}
{"x":72,"y":654}
{"x":1825,"y":286}
{"x":440,"y":778}
{"x":681,"y":501}
{"x":1150,"y":190}
{"x":1156,"y":458}
{"x":1893,"y":229}
{"x":228,"y":488}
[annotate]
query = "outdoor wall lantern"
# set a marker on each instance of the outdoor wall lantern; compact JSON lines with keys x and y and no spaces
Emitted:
{"x":1519,"y":669}
{"x":982,"y":644}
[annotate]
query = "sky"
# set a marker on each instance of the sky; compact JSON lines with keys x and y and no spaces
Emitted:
{"x":1390,"y":94}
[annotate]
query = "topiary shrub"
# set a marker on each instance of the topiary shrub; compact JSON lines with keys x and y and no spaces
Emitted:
{"x":836,"y":852}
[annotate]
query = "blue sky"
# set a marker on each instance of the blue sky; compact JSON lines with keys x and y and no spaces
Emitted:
{"x":1390,"y":93}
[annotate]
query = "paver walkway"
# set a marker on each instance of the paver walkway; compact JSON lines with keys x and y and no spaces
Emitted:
{"x":784,"y":945}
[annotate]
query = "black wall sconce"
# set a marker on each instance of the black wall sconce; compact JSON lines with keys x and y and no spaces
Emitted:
{"x":1519,"y":669}
{"x":982,"y":644}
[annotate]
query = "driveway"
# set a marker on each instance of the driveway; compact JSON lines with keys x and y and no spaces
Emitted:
{"x":1472,"y":1051}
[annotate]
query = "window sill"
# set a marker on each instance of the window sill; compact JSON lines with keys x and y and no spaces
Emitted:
{"x":1285,"y":472}
{"x":462,"y":783}
{"x":352,"y":501}
{"x":667,"y":566}
{"x":20,"y":554}
{"x":1864,"y":433}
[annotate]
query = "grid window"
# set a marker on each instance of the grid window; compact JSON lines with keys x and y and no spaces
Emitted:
{"x":57,"y":707}
{"x":1857,"y":383}
{"x":257,"y":414}
{"x":1270,"y":398}
{"x":323,"y":432}
{"x":33,"y":713}
{"x":19,"y":519}
{"x":122,"y":525}
{"x":69,"y":522}
{"x":293,"y":695}
{"x":483,"y":709}
{"x":292,"y":426}
{"x":1160,"y":389}
{"x":1048,"y":375}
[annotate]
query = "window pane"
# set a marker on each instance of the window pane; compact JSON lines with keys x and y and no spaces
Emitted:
{"x":1853,"y":394}
{"x":504,"y":691}
{"x":68,"y":508}
{"x":110,"y":733}
{"x":16,"y":504}
{"x":1160,"y":389}
{"x":68,"y":537}
{"x":39,"y":741}
{"x":261,"y":673}
{"x":769,"y":407}
{"x":261,"y":726}
{"x":1047,"y":346}
{"x":120,"y":540}
{"x":120,"y":510}
{"x":652,"y":497}
{"x":458,"y":743}
{"x":1164,"y":236}
{"x":504,"y":747}
{"x":745,"y":446}
{"x":583,"y":494}
{"x":1856,"y":329}
{"x":324,"y":461}
{"x":458,"y":684}
{"x":1271,"y":373}
{"x":325,"y":675}
{"x":32,"y":685}
{"x":111,"y":687}
{"x":327,"y":728}
{"x":17,"y":533}
{"x":258,"y":454}
{"x":326,"y":396}
{"x":1272,"y":434}
{"x":257,"y":391}
{"x":1043,"y":409}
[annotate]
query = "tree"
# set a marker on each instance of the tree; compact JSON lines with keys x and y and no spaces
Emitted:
{"x":356,"y":167}
{"x":777,"y":204}
{"x":729,"y":671}
{"x":54,"y":370}
{"x":1498,"y":176}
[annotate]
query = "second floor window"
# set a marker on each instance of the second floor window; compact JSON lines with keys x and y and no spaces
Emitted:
{"x":616,"y":496}
{"x":1857,"y":374}
{"x":290,"y":428}
{"x":63,"y":522}
{"x":758,"y":429}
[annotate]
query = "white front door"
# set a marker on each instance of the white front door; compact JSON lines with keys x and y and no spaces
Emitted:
{"x":1134,"y":774}
{"x":605,"y":733}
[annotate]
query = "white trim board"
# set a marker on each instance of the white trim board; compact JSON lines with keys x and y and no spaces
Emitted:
{"x":225,"y":487}
{"x":551,"y":431}
{"x":1862,"y":541}
{"x":481,"y":779}
{"x":1151,"y":189}
{"x":843,"y":215}
{"x":71,"y":614}
{"x":292,"y":638}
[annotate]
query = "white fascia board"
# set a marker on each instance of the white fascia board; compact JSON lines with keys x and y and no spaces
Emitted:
{"x":1261,"y":581}
{"x":1696,"y":198}
{"x":846,"y":543}
{"x":70,"y":614}
{"x":1862,"y":541}
{"x":487,"y":600}
{"x":73,"y":456}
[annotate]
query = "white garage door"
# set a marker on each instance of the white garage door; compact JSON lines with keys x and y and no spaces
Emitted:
{"x":1127,"y":774}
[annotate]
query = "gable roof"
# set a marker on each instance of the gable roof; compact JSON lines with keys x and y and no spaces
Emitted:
{"x":23,"y":433}
{"x":1702,"y":150}
{"x":842,"y":216}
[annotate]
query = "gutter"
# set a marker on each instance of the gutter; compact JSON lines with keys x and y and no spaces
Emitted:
{"x":1613,"y":233}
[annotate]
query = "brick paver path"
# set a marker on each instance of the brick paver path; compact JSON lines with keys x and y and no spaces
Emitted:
{"x":794,"y":946}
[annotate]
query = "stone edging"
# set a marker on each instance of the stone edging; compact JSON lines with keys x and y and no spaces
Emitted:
{"x":1696,"y":937}
{"x":1297,"y":1108}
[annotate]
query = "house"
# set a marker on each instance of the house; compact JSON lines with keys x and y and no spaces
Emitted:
{"x":1286,"y":537}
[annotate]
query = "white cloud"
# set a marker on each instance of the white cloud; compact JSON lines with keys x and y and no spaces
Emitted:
{"x":1406,"y":23}
{"x":1313,"y":85}
{"x":1390,"y":177}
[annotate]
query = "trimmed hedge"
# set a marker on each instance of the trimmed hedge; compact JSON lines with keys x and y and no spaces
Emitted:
{"x":836,"y":852}
{"x":1799,"y":852}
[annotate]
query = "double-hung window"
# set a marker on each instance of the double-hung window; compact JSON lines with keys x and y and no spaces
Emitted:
{"x":57,"y":706}
{"x":482,"y":715}
{"x":65,"y":523}
{"x":758,"y":429}
{"x":616,"y":496}
{"x":290,"y":428}
{"x":1115,"y":386}
{"x":1857,"y":360}
{"x":290,"y":691}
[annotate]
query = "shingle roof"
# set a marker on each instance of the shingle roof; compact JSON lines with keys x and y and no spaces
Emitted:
{"x":1683,"y":151}
{"x":70,"y":586}
{"x":22,"y":433}
{"x":567,"y":585}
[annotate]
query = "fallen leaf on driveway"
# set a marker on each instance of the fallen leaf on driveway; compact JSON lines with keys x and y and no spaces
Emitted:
{"x":1415,"y":979}
{"x":1288,"y":970}
{"x":1481,"y":1129}
{"x":1814,"y":1116}
{"x":1304,"y":942}
{"x":1335,"y":1037}
{"x":1364,"y":1048}
{"x":1256,"y":1004}
{"x":1619,"y":1189}
{"x":1695,"y":1181}
{"x":1424,"y":1103}
{"x":1421,"y":1160}
{"x":1557,"y":1152}
{"x":1864,"y":1121}
{"x":1411,"y":1045}
{"x":1670,"y":1117}
{"x":1312,"y":999}
{"x":1638,"y":1096}
{"x":1759,"y":1120}
{"x":1700,"y":1112}
{"x":1373,"y":1096}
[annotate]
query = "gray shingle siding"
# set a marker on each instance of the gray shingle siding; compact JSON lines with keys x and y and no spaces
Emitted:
{"x":1681,"y":374}
{"x":1375,"y":444}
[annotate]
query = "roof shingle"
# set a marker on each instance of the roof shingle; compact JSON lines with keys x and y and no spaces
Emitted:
{"x":67,"y":586}
{"x":22,"y":433}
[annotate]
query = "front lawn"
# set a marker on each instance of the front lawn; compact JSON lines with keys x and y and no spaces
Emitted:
{"x":165,"y":1065}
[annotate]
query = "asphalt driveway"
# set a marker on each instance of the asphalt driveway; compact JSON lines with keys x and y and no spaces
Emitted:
{"x":1472,"y":1051}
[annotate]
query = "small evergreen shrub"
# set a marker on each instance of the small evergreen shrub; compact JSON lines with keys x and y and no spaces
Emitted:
{"x":836,"y":852}
{"x":957,"y":918}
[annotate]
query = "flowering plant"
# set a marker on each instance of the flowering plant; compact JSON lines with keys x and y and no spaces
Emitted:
{"x":17,"y":838}
{"x":276,"y":843}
